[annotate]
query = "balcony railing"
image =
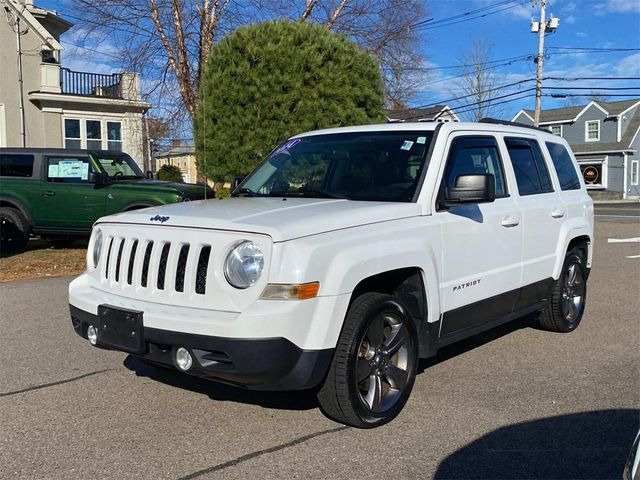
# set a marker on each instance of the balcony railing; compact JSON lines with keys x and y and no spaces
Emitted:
{"x":91,"y":84}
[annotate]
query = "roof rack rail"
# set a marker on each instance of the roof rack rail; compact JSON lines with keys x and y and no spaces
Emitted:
{"x":497,"y":121}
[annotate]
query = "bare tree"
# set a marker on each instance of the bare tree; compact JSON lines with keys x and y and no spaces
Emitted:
{"x":169,"y":41}
{"x":477,"y":83}
{"x":386,"y":29}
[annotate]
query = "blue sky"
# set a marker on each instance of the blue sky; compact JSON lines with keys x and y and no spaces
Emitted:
{"x":599,"y":24}
{"x":605,"y":24}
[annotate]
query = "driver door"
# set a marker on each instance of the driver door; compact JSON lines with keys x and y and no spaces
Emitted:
{"x":68,"y":198}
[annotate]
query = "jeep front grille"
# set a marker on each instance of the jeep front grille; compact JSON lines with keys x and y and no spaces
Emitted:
{"x":180,"y":265}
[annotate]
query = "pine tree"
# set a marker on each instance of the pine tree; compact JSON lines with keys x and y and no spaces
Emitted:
{"x":266,"y":82}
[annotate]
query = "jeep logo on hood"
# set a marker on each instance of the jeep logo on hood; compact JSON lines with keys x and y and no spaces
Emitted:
{"x":159,"y":218}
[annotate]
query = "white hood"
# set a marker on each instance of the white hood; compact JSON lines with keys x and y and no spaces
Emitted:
{"x":281,"y":219}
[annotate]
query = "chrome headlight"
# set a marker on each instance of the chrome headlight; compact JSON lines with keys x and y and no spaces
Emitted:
{"x":244,"y":264}
{"x":97,"y":246}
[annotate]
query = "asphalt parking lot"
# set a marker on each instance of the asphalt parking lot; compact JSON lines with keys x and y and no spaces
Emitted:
{"x":516,"y":402}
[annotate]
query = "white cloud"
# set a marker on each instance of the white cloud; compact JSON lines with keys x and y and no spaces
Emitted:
{"x":629,"y":66}
{"x":568,"y":7}
{"x":617,"y":6}
{"x":569,"y":20}
{"x":582,"y":34}
{"x":85,"y":52}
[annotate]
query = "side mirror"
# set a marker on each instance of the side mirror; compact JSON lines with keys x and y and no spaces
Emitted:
{"x":100,"y":180}
{"x":149,"y":175}
{"x":237,"y":181}
{"x":476,"y":188}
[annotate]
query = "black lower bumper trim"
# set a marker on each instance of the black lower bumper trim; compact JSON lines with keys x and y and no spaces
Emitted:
{"x":258,"y":364}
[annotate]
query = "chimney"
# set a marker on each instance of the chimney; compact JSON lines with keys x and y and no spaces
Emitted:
{"x":175,"y":143}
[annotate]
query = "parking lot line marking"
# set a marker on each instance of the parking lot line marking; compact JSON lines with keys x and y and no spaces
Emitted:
{"x":624,"y":240}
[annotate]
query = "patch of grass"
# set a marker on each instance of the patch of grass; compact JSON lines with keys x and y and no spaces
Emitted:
{"x":43,"y":259}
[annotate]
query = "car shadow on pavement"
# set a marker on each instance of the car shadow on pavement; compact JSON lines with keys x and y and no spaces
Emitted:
{"x":305,"y":399}
{"x":463,"y":346}
{"x":293,"y":400}
{"x":588,"y":445}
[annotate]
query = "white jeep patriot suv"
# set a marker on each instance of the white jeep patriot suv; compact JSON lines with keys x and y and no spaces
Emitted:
{"x":346,"y":256}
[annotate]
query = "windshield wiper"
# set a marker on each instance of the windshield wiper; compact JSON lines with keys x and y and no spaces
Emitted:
{"x":308,"y":193}
{"x":244,"y":191}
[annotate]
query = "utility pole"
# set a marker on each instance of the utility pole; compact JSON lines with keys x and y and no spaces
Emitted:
{"x":541,"y":28}
{"x":541,"y":31}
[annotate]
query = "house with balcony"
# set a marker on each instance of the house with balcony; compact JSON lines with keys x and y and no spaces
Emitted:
{"x":43,"y":104}
{"x":604,"y":138}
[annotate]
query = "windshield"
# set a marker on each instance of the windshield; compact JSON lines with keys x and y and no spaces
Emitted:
{"x":118,"y":165}
{"x":374,"y":166}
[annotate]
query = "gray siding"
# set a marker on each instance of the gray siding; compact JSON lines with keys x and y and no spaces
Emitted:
{"x":574,"y":133}
{"x":626,"y":118}
{"x":522,"y":118}
{"x":615,"y":172}
{"x":633,"y":190}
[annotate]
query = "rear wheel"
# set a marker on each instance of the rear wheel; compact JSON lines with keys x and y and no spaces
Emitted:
{"x":14,"y":230}
{"x":566,"y":306}
{"x":374,"y":365}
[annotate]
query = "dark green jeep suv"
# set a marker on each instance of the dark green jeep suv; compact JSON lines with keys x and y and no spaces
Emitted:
{"x":61,"y":192}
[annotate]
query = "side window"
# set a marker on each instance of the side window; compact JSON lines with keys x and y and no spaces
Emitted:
{"x":531,"y":171}
{"x":475,"y":155}
{"x":564,"y":167}
{"x":18,"y":165}
{"x":68,"y":170}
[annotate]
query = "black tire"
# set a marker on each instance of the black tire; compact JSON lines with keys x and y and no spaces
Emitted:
{"x":380,"y":361}
{"x":14,"y":230}
{"x":566,"y":305}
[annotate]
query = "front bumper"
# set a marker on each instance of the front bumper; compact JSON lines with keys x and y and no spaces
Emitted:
{"x":258,"y":364}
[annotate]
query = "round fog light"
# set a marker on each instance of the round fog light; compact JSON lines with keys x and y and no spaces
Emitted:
{"x":183,"y":359}
{"x":92,"y":335}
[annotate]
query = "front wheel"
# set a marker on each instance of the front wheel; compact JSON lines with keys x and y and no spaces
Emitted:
{"x":374,"y":365}
{"x":14,"y":230}
{"x":566,"y":306}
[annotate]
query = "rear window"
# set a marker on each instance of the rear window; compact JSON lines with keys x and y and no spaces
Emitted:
{"x":16,"y":165}
{"x":531,"y":172}
{"x":564,"y":167}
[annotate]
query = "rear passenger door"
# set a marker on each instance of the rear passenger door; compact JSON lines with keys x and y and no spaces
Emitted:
{"x":573,"y":196}
{"x":481,"y":243}
{"x":543,"y":213}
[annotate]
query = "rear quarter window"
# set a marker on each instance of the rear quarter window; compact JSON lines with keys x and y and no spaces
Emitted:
{"x":564,"y":166}
{"x":16,"y":165}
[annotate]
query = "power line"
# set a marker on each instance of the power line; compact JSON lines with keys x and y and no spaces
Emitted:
{"x":471,"y":109}
{"x":468,"y":16}
{"x":507,"y":85}
{"x":461,"y":108}
{"x":488,"y":7}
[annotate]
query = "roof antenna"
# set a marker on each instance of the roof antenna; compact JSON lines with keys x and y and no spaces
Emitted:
{"x":204,"y":119}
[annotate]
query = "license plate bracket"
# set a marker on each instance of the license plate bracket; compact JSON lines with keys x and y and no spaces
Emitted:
{"x":120,"y":328}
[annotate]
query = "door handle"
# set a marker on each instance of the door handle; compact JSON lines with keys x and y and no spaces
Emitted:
{"x":48,"y":194}
{"x":510,"y":221}
{"x":557,"y":213}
